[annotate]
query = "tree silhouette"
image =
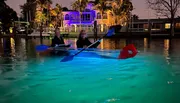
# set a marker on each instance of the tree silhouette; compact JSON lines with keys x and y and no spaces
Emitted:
{"x":168,"y":8}
{"x":7,"y":16}
{"x":135,"y":17}
{"x":65,"y":9}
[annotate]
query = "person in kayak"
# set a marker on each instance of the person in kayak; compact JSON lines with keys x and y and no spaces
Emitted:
{"x":58,"y":46}
{"x":58,"y":40}
{"x":83,"y":41}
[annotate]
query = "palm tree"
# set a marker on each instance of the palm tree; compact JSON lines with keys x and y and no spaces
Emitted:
{"x":58,"y":10}
{"x":80,"y":6}
{"x":44,"y":2}
{"x":25,"y":10}
{"x":29,"y":10}
{"x":45,"y":7}
{"x":121,"y":9}
{"x":127,"y":7}
{"x":7,"y":16}
{"x":116,"y":12}
{"x":101,"y":6}
{"x":43,"y":14}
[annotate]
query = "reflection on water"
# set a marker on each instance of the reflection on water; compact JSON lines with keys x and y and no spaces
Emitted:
{"x":113,"y":44}
{"x":22,"y":47}
{"x":166,"y":47}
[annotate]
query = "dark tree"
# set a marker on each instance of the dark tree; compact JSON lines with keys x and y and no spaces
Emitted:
{"x":168,"y":8}
{"x":96,"y":2}
{"x":65,"y":9}
{"x":7,"y":16}
{"x":135,"y":17}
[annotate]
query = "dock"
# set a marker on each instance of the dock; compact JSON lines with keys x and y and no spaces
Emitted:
{"x":91,"y":35}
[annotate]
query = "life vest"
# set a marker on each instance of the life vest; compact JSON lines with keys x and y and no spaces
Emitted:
{"x":128,"y":52}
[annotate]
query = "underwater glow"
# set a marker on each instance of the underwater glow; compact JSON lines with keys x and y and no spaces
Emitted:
{"x":92,"y":76}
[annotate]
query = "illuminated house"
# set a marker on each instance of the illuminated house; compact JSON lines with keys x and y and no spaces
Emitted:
{"x":72,"y":19}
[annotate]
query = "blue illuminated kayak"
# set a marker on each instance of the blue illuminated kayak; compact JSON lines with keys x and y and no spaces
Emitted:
{"x":90,"y":52}
{"x":96,"y":53}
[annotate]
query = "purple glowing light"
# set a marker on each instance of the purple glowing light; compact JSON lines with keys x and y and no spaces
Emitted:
{"x":89,"y":16}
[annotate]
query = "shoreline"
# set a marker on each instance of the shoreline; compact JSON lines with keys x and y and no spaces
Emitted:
{"x":116,"y":36}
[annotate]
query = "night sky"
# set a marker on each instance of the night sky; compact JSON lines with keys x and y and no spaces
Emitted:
{"x":139,"y":5}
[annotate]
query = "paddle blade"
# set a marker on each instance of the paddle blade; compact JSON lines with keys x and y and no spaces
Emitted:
{"x":41,"y":47}
{"x":128,"y":52}
{"x":67,"y":58}
{"x":110,"y":32}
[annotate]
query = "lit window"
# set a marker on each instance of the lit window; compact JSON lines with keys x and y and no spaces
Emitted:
{"x":71,"y":17}
{"x":88,"y":17}
{"x":167,"y":26}
{"x":66,"y":17}
{"x":98,"y":16}
{"x":105,"y":16}
{"x":177,"y":25}
{"x":145,"y":26}
{"x":83,"y":17}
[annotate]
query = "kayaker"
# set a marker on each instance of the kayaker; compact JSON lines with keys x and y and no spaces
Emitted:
{"x":83,"y":41}
{"x":58,"y":40}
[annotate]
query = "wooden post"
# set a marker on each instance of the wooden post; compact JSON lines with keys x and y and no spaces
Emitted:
{"x":41,"y":30}
{"x":95,"y":31}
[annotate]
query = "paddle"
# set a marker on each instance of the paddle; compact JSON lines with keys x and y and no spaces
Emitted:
{"x":128,"y":51}
{"x":45,"y":47}
{"x":69,"y":58}
{"x":41,"y":47}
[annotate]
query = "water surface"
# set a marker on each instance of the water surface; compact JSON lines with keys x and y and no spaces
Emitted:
{"x":153,"y":76}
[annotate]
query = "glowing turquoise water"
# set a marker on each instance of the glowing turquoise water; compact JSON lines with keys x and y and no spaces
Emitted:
{"x":150,"y":77}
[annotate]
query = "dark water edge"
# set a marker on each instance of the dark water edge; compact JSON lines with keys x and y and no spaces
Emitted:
{"x":117,"y":35}
{"x":20,"y":45}
{"x":8,"y":43}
